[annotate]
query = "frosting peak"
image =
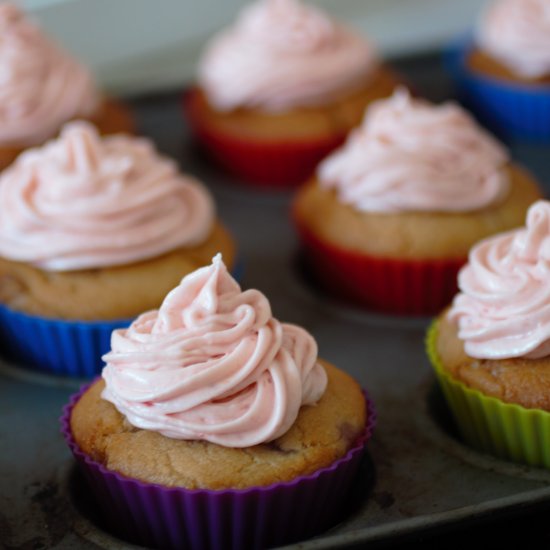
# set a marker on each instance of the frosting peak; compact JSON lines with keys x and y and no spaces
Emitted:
{"x":289,"y":26}
{"x":213,"y":364}
{"x":83,"y":149}
{"x":281,"y":54}
{"x":41,"y":86}
{"x":83,"y":201}
{"x":504,"y":307}
{"x":517,"y":33}
{"x":409,"y":155}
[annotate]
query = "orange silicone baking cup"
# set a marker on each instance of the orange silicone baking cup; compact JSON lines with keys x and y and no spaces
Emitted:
{"x":278,"y":163}
{"x":388,"y":285}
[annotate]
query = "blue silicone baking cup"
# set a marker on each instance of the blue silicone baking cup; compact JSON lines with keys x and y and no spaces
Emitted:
{"x":56,"y":346}
{"x":511,"y":110}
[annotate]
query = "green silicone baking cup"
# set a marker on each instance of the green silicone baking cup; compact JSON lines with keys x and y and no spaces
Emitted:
{"x":505,"y":430}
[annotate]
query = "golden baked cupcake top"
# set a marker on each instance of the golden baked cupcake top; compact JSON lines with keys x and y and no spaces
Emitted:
{"x":213,"y":364}
{"x":83,"y":201}
{"x":282,"y":54}
{"x":42,"y":86}
{"x":211,"y":391}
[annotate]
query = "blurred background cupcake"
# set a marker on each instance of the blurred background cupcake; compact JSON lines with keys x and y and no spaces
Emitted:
{"x":280,"y":89}
{"x":42,"y":87}
{"x":491,"y":349}
{"x":503,"y":72}
{"x":390,"y":217}
{"x":92,"y":232}
{"x":214,"y":422}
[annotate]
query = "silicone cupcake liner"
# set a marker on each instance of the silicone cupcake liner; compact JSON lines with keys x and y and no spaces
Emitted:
{"x":505,"y":430}
{"x":403,"y":287}
{"x":509,"y":109}
{"x":56,"y":346}
{"x":258,"y":517}
{"x":270,"y":164}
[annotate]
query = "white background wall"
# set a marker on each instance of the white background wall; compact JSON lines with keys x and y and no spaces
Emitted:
{"x":138,"y":45}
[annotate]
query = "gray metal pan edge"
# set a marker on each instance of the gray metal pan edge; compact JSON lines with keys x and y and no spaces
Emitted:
{"x":423,"y":477}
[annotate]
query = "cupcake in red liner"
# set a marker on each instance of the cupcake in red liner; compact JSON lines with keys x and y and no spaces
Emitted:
{"x":502,"y":72}
{"x":43,"y":87}
{"x":92,"y":232}
{"x":280,"y":89}
{"x":389,"y":218}
{"x":382,"y":284}
{"x":491,"y":348}
{"x":216,"y":426}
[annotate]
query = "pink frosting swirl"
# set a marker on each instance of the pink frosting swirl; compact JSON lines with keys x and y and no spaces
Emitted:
{"x":517,"y":33}
{"x":409,"y":155}
{"x":282,"y":54}
{"x":41,"y":86}
{"x":504,"y":307}
{"x":85,"y":202}
{"x":213,"y":364}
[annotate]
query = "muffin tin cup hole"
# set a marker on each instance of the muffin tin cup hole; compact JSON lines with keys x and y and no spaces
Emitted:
{"x":89,"y":523}
{"x":439,"y":424}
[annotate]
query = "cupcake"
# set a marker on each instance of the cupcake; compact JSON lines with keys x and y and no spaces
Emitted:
{"x":280,"y":89}
{"x":214,"y":422}
{"x":92,"y":232}
{"x":42,"y":87}
{"x":389,"y":218}
{"x":491,"y":349}
{"x":503,"y":73}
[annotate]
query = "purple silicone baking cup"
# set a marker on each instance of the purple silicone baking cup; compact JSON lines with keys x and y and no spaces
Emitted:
{"x":509,"y":109}
{"x":56,"y":346}
{"x":258,"y":517}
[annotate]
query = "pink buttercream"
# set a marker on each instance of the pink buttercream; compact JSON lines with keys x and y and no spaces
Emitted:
{"x":517,"y":33}
{"x":85,"y":202}
{"x":504,"y":307}
{"x":213,"y":364}
{"x":41,"y":86}
{"x":409,"y":155}
{"x":282,"y":54}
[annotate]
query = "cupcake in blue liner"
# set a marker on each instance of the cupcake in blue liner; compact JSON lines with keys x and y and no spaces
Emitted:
{"x":216,"y":426}
{"x":502,"y":71}
{"x":94,"y":231}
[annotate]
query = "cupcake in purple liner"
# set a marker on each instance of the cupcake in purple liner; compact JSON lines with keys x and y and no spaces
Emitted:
{"x":503,"y":72}
{"x":93,"y":231}
{"x":216,"y":426}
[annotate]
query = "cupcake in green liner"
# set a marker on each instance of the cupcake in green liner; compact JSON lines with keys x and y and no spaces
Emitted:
{"x":491,"y":349}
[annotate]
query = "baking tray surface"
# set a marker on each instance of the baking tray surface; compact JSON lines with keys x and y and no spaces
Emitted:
{"x":417,"y":477}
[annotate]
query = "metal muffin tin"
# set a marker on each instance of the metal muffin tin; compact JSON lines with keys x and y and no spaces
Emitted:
{"x":418,"y":477}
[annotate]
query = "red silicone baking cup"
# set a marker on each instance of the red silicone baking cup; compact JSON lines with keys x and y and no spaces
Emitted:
{"x":388,"y":285}
{"x":272,"y":164}
{"x":259,"y":517}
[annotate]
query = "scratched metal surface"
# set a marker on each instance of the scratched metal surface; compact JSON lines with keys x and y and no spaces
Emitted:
{"x":418,"y":479}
